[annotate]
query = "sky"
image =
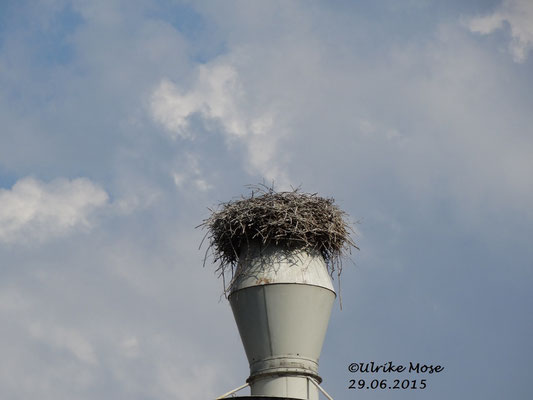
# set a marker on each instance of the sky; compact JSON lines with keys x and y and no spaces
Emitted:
{"x":123,"y":122}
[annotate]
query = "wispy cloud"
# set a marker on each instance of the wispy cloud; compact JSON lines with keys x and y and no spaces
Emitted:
{"x":214,"y":96}
{"x":519,"y":15}
{"x":35,"y":210}
{"x":219,"y":97}
{"x":170,"y":107}
{"x":191,"y":173}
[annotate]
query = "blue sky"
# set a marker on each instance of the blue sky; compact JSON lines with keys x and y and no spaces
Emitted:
{"x":122,"y":121}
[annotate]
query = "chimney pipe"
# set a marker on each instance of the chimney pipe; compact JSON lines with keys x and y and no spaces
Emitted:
{"x":281,"y":300}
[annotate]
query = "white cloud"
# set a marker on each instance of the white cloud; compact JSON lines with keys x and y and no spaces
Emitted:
{"x":129,"y":347}
{"x":35,"y":210}
{"x":191,"y":172}
{"x":219,"y":96}
{"x":171,"y":109}
{"x":214,"y":96}
{"x":519,"y":15}
{"x":423,"y":141}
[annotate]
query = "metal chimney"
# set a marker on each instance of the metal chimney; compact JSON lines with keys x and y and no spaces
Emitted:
{"x":282,"y":302}
{"x":280,"y":249}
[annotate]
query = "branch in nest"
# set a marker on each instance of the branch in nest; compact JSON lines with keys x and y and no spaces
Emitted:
{"x":292,"y":219}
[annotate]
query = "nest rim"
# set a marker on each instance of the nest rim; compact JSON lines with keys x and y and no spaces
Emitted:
{"x":288,"y":219}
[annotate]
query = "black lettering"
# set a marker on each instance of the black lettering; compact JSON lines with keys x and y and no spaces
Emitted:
{"x":414,"y":368}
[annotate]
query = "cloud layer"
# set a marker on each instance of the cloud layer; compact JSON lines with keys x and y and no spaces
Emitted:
{"x":410,"y":115}
{"x":220,"y":99}
{"x":518,"y":14}
{"x":34,"y":210}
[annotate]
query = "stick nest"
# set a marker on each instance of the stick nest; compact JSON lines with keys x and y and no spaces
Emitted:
{"x":291,"y":220}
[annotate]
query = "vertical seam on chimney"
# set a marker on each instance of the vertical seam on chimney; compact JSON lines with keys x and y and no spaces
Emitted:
{"x":267,"y":321}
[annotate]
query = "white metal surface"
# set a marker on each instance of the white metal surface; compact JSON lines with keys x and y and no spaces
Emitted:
{"x":285,"y":386}
{"x":282,"y":303}
{"x":260,"y":266}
